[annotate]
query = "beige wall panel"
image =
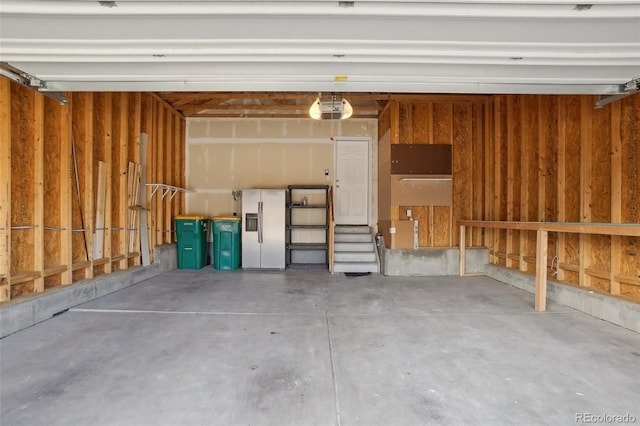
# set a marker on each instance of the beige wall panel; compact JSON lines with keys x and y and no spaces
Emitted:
{"x":280,"y":129}
{"x":211,"y":166}
{"x":247,"y":129}
{"x":273,"y":165}
{"x":354,"y":127}
{"x":245,"y":166}
{"x":225,"y":155}
{"x":212,"y":204}
{"x":324,"y":129}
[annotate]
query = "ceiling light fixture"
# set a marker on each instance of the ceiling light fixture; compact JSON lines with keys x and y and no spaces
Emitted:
{"x":336,"y":108}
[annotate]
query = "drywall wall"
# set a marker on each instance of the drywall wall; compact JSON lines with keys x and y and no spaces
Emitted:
{"x":225,"y":154}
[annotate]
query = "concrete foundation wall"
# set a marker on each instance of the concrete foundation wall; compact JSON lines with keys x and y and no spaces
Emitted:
{"x":24,"y":313}
{"x":616,"y":311}
{"x":431,"y":261}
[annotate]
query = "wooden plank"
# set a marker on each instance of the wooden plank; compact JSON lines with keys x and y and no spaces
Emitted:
{"x":525,"y":159}
{"x":462,"y":251}
{"x":168,"y":172}
{"x":496,"y":192}
{"x":511,"y":162}
{"x":107,"y":140}
{"x":586,"y":148}
{"x":22,"y":183}
{"x":626,"y":229}
{"x":481,"y":179}
{"x":159,"y":153}
{"x":541,"y":271}
{"x":462,"y":136}
{"x":123,"y":153}
{"x":5,"y":188}
{"x":82,"y":121}
{"x":561,"y":181}
{"x":616,"y":195}
{"x":135,"y":107}
{"x":568,"y":267}
{"x":81,"y":265}
{"x":543,"y":140}
{"x":53,"y":185}
{"x":131,"y":168}
{"x":38,"y":190}
{"x":630,"y":210}
{"x":431,"y":140}
{"x":66,"y":200}
{"x":25,"y":276}
{"x":598,"y":273}
{"x":101,"y":195}
{"x":394,"y":139}
{"x":143,"y":227}
{"x":55,"y":270}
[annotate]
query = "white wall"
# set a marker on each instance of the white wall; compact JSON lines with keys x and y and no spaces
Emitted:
{"x":224,"y":154}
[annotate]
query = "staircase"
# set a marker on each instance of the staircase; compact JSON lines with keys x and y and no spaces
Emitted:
{"x":354,"y":249}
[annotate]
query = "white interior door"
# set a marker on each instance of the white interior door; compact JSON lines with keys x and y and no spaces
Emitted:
{"x":351,"y":186}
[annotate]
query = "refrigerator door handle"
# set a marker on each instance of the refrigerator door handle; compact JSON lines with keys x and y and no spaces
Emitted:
{"x":260,"y":239}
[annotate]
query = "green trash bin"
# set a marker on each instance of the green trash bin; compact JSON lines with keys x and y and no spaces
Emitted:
{"x":226,"y":242}
{"x":192,"y":241}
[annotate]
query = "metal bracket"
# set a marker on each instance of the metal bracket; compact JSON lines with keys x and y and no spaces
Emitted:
{"x":629,"y":88}
{"x":31,"y":81}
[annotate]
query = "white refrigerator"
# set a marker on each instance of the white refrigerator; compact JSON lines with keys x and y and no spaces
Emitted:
{"x":263,"y":228}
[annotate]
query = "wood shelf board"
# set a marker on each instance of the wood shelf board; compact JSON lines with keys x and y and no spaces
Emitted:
{"x":80,"y":265}
{"x":23,"y":277}
{"x":54,"y":270}
{"x":623,"y":229}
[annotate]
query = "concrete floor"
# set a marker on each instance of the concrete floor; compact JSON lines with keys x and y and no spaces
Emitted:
{"x":310,"y":348}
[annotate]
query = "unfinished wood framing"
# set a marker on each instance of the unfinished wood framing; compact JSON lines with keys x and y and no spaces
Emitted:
{"x":434,"y":119}
{"x":5,"y":190}
{"x":574,"y":164}
{"x":50,"y":157}
{"x":542,"y":230}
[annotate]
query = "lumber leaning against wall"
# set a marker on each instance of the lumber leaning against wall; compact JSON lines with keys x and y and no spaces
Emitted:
{"x":556,"y":158}
{"x":50,"y":179}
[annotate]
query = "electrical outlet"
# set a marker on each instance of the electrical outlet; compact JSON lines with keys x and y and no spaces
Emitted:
{"x":408,"y":212}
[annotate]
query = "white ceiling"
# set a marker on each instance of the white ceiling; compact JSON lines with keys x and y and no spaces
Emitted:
{"x":472,"y":46}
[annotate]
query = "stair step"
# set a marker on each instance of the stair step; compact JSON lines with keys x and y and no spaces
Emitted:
{"x":352,"y":229}
{"x":353,"y":246}
{"x":354,"y":256}
{"x":355,"y":267}
{"x":353,"y":238}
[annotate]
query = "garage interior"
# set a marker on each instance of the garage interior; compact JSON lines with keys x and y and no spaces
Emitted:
{"x":503,"y":185}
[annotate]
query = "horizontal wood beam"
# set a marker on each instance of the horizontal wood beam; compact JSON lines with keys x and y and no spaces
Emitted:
{"x":623,"y":229}
{"x":258,"y":115}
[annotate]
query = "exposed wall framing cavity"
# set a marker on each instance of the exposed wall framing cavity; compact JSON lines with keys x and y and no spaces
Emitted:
{"x":63,"y":169}
{"x":557,"y":159}
{"x":460,"y":121}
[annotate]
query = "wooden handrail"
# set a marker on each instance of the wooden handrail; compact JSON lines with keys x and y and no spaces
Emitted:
{"x":542,"y":230}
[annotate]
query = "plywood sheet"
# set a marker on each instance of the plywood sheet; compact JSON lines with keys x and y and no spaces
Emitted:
{"x":417,"y":190}
{"x":572,"y":166}
{"x":398,"y":234}
{"x":421,"y":159}
{"x":53,"y":182}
